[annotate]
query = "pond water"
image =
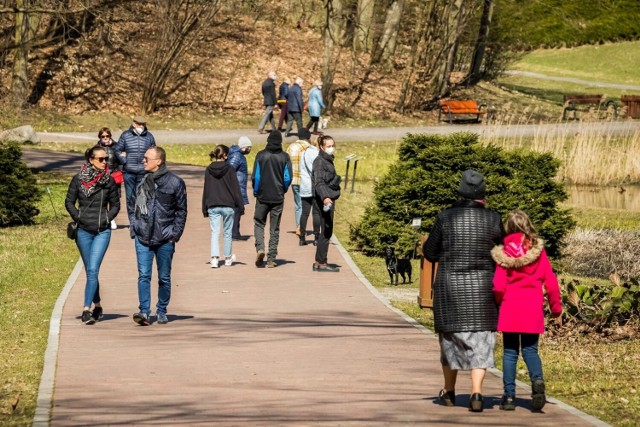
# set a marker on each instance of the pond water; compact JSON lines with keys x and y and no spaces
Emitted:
{"x":626,"y":197}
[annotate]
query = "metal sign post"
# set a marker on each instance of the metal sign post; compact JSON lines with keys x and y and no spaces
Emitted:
{"x":348,"y":159}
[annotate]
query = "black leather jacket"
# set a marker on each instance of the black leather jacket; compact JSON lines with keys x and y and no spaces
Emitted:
{"x":461,"y":241}
{"x":93,"y":213}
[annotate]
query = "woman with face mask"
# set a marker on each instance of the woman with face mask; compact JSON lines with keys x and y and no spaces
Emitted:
{"x":93,"y":202}
{"x":326,"y":190}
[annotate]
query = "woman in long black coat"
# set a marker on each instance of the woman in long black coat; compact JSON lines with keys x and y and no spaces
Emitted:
{"x":465,"y":311}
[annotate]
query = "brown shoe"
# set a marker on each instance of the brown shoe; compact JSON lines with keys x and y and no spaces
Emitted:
{"x":298,"y":232}
{"x":259,"y":257}
{"x":261,"y":131}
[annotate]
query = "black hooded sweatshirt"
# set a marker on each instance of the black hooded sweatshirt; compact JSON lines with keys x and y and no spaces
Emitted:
{"x":221,"y":187}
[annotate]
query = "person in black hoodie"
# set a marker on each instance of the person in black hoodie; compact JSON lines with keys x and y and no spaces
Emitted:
{"x":271,"y":177}
{"x":326,"y":190}
{"x":98,"y":202}
{"x":220,"y":197}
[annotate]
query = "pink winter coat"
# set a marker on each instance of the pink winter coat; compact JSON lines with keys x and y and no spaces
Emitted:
{"x":517,"y":285}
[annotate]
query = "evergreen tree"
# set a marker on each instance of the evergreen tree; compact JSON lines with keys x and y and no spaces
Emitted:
{"x":18,"y":191}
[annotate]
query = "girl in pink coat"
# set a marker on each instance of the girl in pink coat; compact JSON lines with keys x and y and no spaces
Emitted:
{"x":522,"y":270}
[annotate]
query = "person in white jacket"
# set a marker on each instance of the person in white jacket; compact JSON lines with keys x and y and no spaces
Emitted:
{"x":306,"y":194}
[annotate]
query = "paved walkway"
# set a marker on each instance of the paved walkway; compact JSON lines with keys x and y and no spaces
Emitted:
{"x":249,"y":346}
{"x":573,"y":80}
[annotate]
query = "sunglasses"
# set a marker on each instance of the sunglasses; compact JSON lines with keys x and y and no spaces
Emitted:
{"x":101,"y":159}
{"x":105,"y":136}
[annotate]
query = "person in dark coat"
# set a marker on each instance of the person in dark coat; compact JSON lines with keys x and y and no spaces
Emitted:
{"x":271,"y":178}
{"x":98,"y":202}
{"x":295,"y":106}
{"x":326,"y":190}
{"x":465,"y":312}
{"x":106,"y":141}
{"x":269,"y":100}
{"x":220,"y":197}
{"x":157,"y":223}
{"x":130,"y":150}
{"x":237,"y":160}
{"x":283,"y":93}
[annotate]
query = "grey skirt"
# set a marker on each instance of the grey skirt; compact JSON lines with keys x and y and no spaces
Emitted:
{"x":467,"y":350}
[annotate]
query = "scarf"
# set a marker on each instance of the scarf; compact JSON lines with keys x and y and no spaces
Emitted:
{"x":92,"y":178}
{"x":147,"y":190}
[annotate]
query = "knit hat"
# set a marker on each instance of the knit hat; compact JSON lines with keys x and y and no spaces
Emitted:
{"x":303,"y":133}
{"x":244,"y":141}
{"x":472,"y":185}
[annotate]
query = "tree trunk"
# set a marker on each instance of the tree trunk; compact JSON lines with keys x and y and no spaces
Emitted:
{"x":481,"y":42}
{"x":19,"y":77}
{"x":364,"y":19}
{"x":454,"y":29}
{"x":332,"y":37}
{"x":388,"y":41}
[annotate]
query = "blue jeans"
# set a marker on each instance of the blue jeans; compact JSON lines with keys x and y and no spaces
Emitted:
{"x":297,"y":202}
{"x":225,"y":214}
{"x":92,"y":246}
{"x":164,"y":257}
{"x":512,"y":343}
{"x":131,"y":182}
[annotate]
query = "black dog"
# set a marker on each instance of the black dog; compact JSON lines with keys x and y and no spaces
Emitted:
{"x":397,"y":266}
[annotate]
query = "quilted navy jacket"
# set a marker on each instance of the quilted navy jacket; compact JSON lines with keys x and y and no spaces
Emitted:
{"x":239,"y":164}
{"x":134,"y":146}
{"x":461,"y":241}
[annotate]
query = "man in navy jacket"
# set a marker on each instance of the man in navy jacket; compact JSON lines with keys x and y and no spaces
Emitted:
{"x":271,"y":177}
{"x":157,"y":223}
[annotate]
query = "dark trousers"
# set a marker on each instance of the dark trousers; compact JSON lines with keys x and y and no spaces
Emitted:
{"x":274,"y":210}
{"x":235,"y":231}
{"x":307,"y":207}
{"x":313,"y":121}
{"x":326,"y":230}
{"x":295,"y":115}
{"x":283,"y":114}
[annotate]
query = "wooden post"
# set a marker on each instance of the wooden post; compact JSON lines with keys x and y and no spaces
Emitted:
{"x":427,"y":276}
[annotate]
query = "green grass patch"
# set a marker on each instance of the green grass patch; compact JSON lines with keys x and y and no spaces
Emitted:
{"x":611,"y":62}
{"x":35,"y":263}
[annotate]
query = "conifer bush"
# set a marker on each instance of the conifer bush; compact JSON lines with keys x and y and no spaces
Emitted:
{"x":425,"y":180}
{"x":18,"y":190}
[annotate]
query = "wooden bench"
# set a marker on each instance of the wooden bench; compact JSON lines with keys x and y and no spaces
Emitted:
{"x":453,"y":108}
{"x":577,"y":103}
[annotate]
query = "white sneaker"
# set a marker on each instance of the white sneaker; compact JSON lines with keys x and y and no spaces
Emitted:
{"x":114,"y":226}
{"x":230,"y":260}
{"x":214,"y":262}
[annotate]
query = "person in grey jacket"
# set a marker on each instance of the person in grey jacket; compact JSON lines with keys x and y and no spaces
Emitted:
{"x":130,"y":150}
{"x":465,"y":311}
{"x":98,"y":202}
{"x":326,"y":190}
{"x":157,"y":223}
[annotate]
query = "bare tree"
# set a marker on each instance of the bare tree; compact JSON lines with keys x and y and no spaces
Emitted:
{"x":387,"y":44}
{"x":481,"y":42}
{"x":182,"y":21}
{"x":365,"y":21}
{"x":333,"y":34}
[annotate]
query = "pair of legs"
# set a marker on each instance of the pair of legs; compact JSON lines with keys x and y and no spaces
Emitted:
{"x":267,"y":117}
{"x":313,"y":121}
{"x":164,"y":257}
{"x":451,"y":375}
{"x":297,"y":203}
{"x":326,"y":231}
{"x":235,"y":230}
{"x":307,"y":207}
{"x":283,"y":114}
{"x":513,"y":342}
{"x":293,"y":115}
{"x":274,"y":211}
{"x":131,"y":182}
{"x":224,"y":214}
{"x":92,"y":246}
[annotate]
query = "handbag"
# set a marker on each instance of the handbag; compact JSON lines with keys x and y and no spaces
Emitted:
{"x":72,"y":230}
{"x":117,"y":177}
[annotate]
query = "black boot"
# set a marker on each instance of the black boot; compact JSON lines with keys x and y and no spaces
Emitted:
{"x":303,"y":241}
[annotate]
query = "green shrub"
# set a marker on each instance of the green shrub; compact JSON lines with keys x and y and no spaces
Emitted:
{"x":18,"y":191}
{"x":425,"y":181}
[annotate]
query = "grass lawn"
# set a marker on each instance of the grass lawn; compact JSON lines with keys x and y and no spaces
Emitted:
{"x":35,"y":262}
{"x":611,"y":63}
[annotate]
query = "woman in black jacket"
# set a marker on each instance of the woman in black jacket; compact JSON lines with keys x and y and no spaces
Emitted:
{"x":96,"y":195}
{"x":106,"y":141}
{"x":465,"y":312}
{"x":326,"y":190}
{"x":220,"y":197}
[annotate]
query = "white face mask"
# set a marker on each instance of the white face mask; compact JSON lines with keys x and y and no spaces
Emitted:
{"x":330,"y":150}
{"x":138,"y":130}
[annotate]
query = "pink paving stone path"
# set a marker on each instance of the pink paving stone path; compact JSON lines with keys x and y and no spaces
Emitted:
{"x":249,"y":346}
